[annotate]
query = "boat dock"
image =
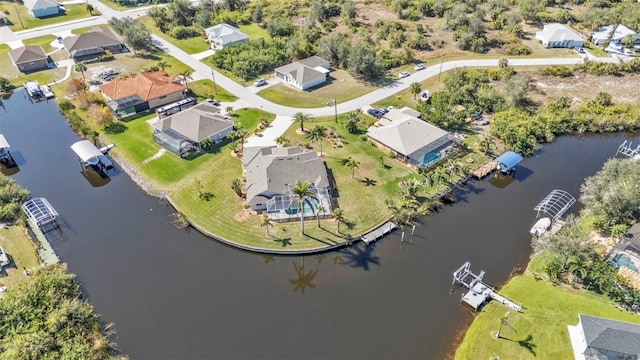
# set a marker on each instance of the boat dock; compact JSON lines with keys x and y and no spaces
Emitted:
{"x":378,"y":232}
{"x":484,"y":170}
{"x":479,"y":292}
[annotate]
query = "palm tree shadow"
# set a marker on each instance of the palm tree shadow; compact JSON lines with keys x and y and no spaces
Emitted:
{"x":368,"y":182}
{"x":526,"y":343}
{"x":359,"y":256}
{"x":285,"y":241}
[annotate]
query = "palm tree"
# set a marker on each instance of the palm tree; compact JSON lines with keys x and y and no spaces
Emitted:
{"x":353,"y":164}
{"x":236,"y":186}
{"x":577,"y":266}
{"x":319,"y":209}
{"x":485,"y":142}
{"x":90,"y":9}
{"x":439,"y":173}
{"x":302,"y":193}
{"x":318,"y":133}
{"x":301,"y":118}
{"x":339,"y":216}
{"x":415,"y":89}
{"x":265,"y":222}
{"x":163,"y":64}
{"x":503,"y":63}
{"x":81,"y":68}
{"x":452,"y":166}
{"x":186,"y":75}
{"x":229,"y":110}
{"x":282,"y":140}
{"x":239,"y":133}
{"x":409,"y":188}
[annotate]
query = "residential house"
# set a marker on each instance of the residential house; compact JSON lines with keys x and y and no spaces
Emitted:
{"x":142,"y":92}
{"x":182,"y":133}
{"x":413,"y":140}
{"x":222,"y":35}
{"x":603,"y":34}
{"x":271,"y":170}
{"x":42,"y":8}
{"x":599,"y":338}
{"x":305,"y":73}
{"x":93,"y":44}
{"x":29,"y":58}
{"x":559,"y":36}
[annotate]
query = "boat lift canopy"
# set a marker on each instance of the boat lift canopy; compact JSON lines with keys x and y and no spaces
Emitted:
{"x":555,"y":204}
{"x":508,"y":160}
{"x":40,"y":211}
{"x":3,"y":143}
{"x":90,"y":154}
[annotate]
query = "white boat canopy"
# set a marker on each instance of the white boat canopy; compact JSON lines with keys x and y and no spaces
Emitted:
{"x":40,"y":211}
{"x":555,"y":204}
{"x":90,"y":154}
{"x":3,"y":142}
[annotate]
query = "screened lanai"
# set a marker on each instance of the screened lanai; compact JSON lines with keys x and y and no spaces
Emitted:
{"x":555,"y":204}
{"x":280,"y":207}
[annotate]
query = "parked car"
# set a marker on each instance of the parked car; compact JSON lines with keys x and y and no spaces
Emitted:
{"x":213,"y":101}
{"x":579,"y":50}
{"x":383,"y":110}
{"x":403,"y":74}
{"x":375,"y":113}
{"x":260,"y":82}
{"x":419,"y":67}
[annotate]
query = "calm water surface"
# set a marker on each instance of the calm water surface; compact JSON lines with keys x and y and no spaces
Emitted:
{"x":177,"y":294}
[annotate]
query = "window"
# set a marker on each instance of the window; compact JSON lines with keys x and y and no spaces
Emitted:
{"x":32,"y":64}
{"x":162,"y":97}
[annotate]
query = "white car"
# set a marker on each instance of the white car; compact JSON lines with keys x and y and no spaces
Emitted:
{"x":260,"y":82}
{"x":403,"y":74}
{"x":419,"y":67}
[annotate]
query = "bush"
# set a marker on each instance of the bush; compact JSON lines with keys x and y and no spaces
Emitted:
{"x":517,"y":50}
{"x":184,"y":32}
{"x":558,"y":70}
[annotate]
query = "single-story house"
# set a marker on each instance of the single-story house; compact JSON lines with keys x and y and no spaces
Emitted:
{"x":42,"y":8}
{"x":271,"y":170}
{"x":559,"y":36}
{"x":305,"y":73}
{"x":413,"y":140}
{"x":182,"y":133}
{"x":93,"y":44}
{"x":599,"y":338}
{"x":603,"y":33}
{"x":222,"y":35}
{"x":142,"y":92}
{"x":29,"y":58}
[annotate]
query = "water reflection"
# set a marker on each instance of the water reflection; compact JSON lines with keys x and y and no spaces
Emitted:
{"x":303,"y":279}
{"x":95,"y":178}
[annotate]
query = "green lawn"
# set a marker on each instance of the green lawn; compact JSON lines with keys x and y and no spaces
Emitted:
{"x":341,"y":86}
{"x":82,"y":30}
{"x":22,"y":251}
{"x":116,"y":6}
{"x":204,"y":89}
{"x":18,"y":78}
{"x":541,"y":329}
{"x":25,"y":21}
{"x":190,"y":46}
{"x":4,"y":48}
{"x":43,"y":41}
{"x":254,"y":32}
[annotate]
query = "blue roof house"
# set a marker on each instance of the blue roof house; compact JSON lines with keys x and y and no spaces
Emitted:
{"x":507,"y":161}
{"x":42,"y":8}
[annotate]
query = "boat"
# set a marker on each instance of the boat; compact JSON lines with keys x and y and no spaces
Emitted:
{"x":540,"y":227}
{"x":46,"y":91}
{"x":33,"y":88}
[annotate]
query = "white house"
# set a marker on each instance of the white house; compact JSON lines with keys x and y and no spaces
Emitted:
{"x":559,"y":36}
{"x":42,"y":8}
{"x":305,"y":73}
{"x":223,"y":35}
{"x":602,"y":34}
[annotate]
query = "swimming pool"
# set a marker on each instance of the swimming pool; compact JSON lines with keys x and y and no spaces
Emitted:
{"x":309,"y":206}
{"x":624,"y":260}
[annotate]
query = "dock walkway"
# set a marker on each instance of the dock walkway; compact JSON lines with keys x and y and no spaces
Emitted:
{"x":479,"y":292}
{"x":484,"y":170}
{"x":378,"y":232}
{"x":45,"y":251}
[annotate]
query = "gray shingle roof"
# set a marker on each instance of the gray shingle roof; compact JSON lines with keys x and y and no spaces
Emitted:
{"x":27,"y":54}
{"x":270,"y":169}
{"x":196,"y":123}
{"x":314,"y":61}
{"x":90,"y":42}
{"x":300,"y":72}
{"x":227,"y":33}
{"x":606,"y":334}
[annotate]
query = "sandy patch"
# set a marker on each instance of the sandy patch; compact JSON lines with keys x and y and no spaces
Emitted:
{"x":155,"y":156}
{"x":242,"y":216}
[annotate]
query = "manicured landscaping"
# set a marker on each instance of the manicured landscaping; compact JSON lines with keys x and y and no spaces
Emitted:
{"x":204,"y":89}
{"x":541,"y":329}
{"x":22,"y":20}
{"x":43,"y":41}
{"x":21,"y":249}
{"x":341,"y":86}
{"x":17,"y":78}
{"x":190,"y":46}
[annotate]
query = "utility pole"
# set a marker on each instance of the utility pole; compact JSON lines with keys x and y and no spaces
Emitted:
{"x":19,"y":18}
{"x":335,"y":107}
{"x":213,"y":76}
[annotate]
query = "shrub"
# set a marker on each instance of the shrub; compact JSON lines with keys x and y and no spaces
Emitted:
{"x":184,"y":32}
{"x":517,"y":50}
{"x":558,"y":70}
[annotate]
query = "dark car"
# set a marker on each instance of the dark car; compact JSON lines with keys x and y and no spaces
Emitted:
{"x":375,"y":113}
{"x":579,"y":50}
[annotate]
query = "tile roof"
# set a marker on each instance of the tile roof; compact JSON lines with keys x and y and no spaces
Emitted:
{"x":612,"y":335}
{"x":150,"y":85}
{"x":196,"y":123}
{"x":27,"y":54}
{"x":97,"y":37}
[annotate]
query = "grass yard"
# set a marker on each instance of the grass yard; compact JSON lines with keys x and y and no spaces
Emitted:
{"x":190,"y":46}
{"x":43,"y":41}
{"x":204,"y":89}
{"x":18,"y":78}
{"x":542,"y":326}
{"x":4,"y":48}
{"x":253,"y":31}
{"x":341,"y":86}
{"x":26,"y":21}
{"x":22,"y":251}
{"x":82,"y":30}
{"x":116,"y":6}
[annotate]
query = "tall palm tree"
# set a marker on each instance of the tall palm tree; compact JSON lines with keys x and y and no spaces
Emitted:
{"x":186,"y":75}
{"x":265,"y":222}
{"x":318,"y":133}
{"x":301,"y":118}
{"x":319,"y":209}
{"x":338,"y":214}
{"x":301,"y":194}
{"x":81,"y":68}
{"x":353,"y":164}
{"x":163,"y":64}
{"x":415,"y":89}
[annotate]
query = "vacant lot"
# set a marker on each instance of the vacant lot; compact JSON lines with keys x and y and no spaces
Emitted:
{"x":623,"y":89}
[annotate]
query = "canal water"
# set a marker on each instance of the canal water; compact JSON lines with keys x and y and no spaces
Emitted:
{"x":177,"y":294}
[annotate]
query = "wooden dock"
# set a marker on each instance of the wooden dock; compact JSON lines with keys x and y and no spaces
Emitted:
{"x":484,"y":170}
{"x":378,"y":232}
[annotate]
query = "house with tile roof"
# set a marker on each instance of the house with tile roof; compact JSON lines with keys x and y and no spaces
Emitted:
{"x":412,"y":140}
{"x":182,"y":133}
{"x":142,"y":92}
{"x":306,"y":73}
{"x":222,"y":35}
{"x":271,"y":170}
{"x":29,"y":58}
{"x":557,"y":35}
{"x":595,"y":338}
{"x":93,"y":44}
{"x":42,"y":8}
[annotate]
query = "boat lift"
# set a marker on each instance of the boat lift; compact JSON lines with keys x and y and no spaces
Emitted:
{"x":479,"y":292}
{"x":555,"y":205}
{"x":627,"y":150}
